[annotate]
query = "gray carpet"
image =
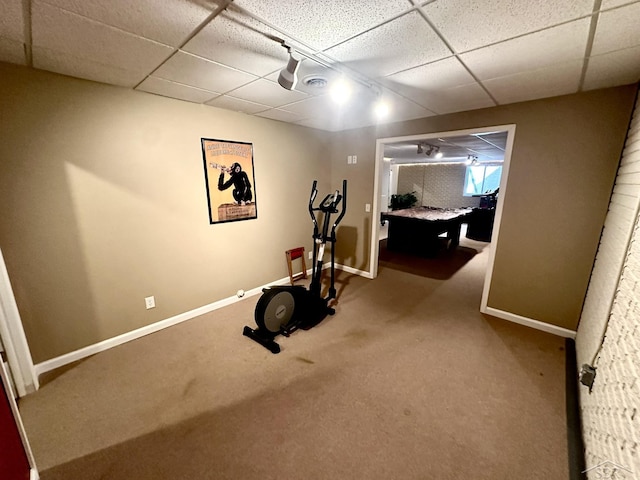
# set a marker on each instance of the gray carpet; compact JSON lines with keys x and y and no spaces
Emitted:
{"x":407,"y":381}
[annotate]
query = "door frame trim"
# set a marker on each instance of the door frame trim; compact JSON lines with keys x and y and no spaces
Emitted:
{"x":14,"y":338}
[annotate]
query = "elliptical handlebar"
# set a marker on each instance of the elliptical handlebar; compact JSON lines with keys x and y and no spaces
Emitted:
{"x":312,"y":197}
{"x":344,"y":204}
{"x":328,"y":205}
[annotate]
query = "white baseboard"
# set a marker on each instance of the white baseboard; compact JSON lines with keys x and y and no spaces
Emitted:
{"x":529,"y":322}
{"x":354,"y":271}
{"x":76,"y":355}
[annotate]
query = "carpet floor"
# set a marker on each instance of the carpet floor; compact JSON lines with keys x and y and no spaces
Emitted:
{"x":407,"y":381}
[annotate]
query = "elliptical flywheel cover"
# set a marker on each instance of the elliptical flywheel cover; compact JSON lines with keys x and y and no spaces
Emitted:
{"x":275,"y":310}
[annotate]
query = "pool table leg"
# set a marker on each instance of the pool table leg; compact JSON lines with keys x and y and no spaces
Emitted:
{"x":454,"y":235}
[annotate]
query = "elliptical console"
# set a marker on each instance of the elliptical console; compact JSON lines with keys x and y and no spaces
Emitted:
{"x":283,"y":309}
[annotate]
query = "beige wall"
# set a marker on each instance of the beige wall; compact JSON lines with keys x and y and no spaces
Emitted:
{"x":564,"y":161}
{"x":103,"y":202}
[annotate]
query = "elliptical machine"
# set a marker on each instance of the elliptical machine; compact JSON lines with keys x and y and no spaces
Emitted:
{"x":281,"y":310}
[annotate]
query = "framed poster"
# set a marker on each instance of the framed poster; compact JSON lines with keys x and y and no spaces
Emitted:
{"x":228,"y":173}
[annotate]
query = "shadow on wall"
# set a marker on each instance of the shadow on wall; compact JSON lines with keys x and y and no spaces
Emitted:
{"x":55,"y":243}
{"x":346,"y":247}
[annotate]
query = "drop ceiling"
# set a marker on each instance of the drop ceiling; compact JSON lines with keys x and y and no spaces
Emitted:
{"x":424,"y":58}
{"x":485,"y":147}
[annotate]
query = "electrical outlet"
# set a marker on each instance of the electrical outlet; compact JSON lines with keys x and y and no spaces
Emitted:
{"x":150,"y":302}
{"x":587,"y":376}
{"x":367,"y":207}
{"x":310,"y":255}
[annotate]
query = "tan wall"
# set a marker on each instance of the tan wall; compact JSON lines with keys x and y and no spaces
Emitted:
{"x":564,"y":161}
{"x":103,"y":202}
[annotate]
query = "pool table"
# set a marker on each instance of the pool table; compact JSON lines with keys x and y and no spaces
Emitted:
{"x":416,"y":230}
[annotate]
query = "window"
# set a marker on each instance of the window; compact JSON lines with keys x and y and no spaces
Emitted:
{"x":481,"y":179}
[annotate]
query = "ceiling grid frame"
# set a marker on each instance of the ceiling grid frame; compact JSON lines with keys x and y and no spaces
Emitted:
{"x":416,"y":85}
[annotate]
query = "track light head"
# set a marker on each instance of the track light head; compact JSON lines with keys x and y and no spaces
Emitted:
{"x":430,"y":149}
{"x":288,"y":76}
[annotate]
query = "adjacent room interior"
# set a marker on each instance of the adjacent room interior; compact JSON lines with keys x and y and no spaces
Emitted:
{"x":449,"y":173}
{"x":157,"y":163}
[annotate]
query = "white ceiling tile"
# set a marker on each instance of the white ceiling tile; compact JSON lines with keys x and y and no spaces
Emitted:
{"x":519,"y":49}
{"x":325,"y":106}
{"x":267,"y":92}
{"x":612,"y":69}
{"x":434,"y":86}
{"x":58,"y":62}
{"x":322,"y":24}
{"x":319,"y":123}
{"x":236,"y":104}
{"x":468,"y":25}
{"x":310,"y":106}
{"x":169,"y":22}
{"x":443,"y":74}
{"x":202,"y":73}
{"x":617,"y":29}
{"x":11,"y":21}
{"x":548,"y":47}
{"x":323,"y":112}
{"x":386,"y":49}
{"x":331,"y":124}
{"x":401,"y":108}
{"x":560,"y":79}
{"x":336,"y":124}
{"x":12,"y":51}
{"x":279,"y":114}
{"x":457,"y":99}
{"x":170,"y":89}
{"x":326,"y":119}
{"x":236,"y":41}
{"x":609,"y":4}
{"x":76,"y":36}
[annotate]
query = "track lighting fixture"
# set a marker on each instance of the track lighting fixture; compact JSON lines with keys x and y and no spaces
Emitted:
{"x":472,"y":160}
{"x":288,"y":76}
{"x":341,"y":89}
{"x":429,"y":149}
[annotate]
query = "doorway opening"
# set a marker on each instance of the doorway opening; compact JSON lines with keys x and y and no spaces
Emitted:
{"x":464,"y":149}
